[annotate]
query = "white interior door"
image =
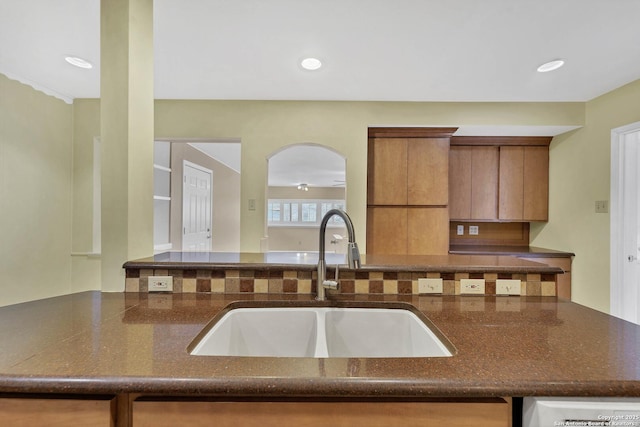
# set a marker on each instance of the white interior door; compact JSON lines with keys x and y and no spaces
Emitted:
{"x":625,"y":223}
{"x":196,"y":208}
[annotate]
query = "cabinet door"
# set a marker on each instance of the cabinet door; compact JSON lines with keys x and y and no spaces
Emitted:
{"x":524,"y":183}
{"x":372,"y":414}
{"x":427,"y":231}
{"x":484,"y":183}
{"x":460,"y":182}
{"x":387,"y":230}
{"x":511,"y":198}
{"x":57,"y":412}
{"x":536,"y":184}
{"x":428,"y":171}
{"x":387,"y":176}
{"x":473,"y":180}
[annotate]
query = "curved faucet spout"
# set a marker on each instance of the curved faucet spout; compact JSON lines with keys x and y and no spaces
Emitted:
{"x":353,"y":254}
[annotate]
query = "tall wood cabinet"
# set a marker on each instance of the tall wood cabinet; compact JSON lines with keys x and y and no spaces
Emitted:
{"x":499,"y":178}
{"x":408,"y":191}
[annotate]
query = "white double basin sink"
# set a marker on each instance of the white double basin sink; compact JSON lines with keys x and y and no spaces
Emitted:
{"x":320,"y":332}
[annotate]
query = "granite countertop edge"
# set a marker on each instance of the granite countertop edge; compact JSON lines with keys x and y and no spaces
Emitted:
{"x":280,"y":387}
{"x":453,"y":263}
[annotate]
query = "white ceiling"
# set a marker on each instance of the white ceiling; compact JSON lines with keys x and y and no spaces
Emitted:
{"x":309,"y":164}
{"x":400,"y":50}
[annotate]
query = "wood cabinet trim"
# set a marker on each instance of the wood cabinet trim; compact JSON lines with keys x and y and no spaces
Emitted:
{"x":400,"y":132}
{"x":502,"y":140}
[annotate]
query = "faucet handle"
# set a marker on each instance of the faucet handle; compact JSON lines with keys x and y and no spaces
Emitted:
{"x":332,"y":284}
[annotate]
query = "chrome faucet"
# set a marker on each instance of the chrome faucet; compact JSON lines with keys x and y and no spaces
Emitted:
{"x":353,"y":254}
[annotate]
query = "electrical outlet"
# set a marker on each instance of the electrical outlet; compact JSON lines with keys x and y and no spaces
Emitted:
{"x":252,"y":204}
{"x":430,"y":286}
{"x":507,"y":287}
{"x":160,"y":284}
{"x":460,"y":230}
{"x":472,"y":286}
{"x":473,"y":230}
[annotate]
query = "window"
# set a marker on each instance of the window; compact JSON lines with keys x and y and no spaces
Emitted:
{"x":296,"y":213}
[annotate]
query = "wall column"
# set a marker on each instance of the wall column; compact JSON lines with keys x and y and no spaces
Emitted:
{"x":126,"y":130}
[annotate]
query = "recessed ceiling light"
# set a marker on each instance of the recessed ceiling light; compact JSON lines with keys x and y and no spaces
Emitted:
{"x":78,"y":62}
{"x":311,"y":64}
{"x":551,"y":65}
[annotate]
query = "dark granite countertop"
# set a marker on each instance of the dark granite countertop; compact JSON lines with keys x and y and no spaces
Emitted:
{"x":95,"y":342}
{"x":518,"y":251}
{"x":455,"y":263}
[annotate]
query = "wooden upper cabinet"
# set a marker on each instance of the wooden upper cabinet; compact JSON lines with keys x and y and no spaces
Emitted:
{"x":536,"y":184}
{"x":408,"y":171}
{"x":387,"y":177}
{"x":460,"y":182}
{"x":511,"y":200}
{"x":473,"y":181}
{"x":499,"y":178}
{"x":427,"y":171}
{"x":524,"y":183}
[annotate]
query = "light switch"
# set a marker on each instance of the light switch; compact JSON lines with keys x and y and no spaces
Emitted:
{"x":430,"y":286}
{"x":507,"y":287}
{"x":460,"y":230}
{"x":602,"y":206}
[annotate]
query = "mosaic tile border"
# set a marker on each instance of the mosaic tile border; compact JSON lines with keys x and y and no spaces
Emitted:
{"x":304,"y":281}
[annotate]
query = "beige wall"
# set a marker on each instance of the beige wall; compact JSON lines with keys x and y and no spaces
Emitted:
{"x":579,"y":175}
{"x":35,"y":194}
{"x":225,"y":202}
{"x":265,"y":126}
{"x":57,"y":141}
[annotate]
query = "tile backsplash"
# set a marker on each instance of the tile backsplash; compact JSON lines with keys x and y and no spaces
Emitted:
{"x":301,"y":281}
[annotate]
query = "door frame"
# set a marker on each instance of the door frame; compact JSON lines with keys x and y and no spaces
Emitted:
{"x":210,"y":172}
{"x":619,"y":291}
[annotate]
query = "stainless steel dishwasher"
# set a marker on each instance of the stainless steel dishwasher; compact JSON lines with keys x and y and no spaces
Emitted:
{"x":580,"y":411}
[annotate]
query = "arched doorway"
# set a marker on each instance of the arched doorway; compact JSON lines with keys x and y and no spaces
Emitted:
{"x":304,"y":182}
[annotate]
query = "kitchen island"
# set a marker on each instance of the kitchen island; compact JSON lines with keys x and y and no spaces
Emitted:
{"x":130,"y":347}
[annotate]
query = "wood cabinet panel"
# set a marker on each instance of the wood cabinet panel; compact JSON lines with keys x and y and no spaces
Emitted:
{"x":460,"y":182}
{"x":387,"y":230}
{"x":387,"y":175}
{"x":511,"y":196}
{"x":536,"y":184}
{"x":484,"y":183}
{"x":407,"y":173}
{"x":425,"y":235}
{"x":473,"y":181}
{"x":428,"y":171}
{"x":347,"y":414}
{"x":524,"y":183}
{"x":57,"y":412}
{"x":411,"y":171}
